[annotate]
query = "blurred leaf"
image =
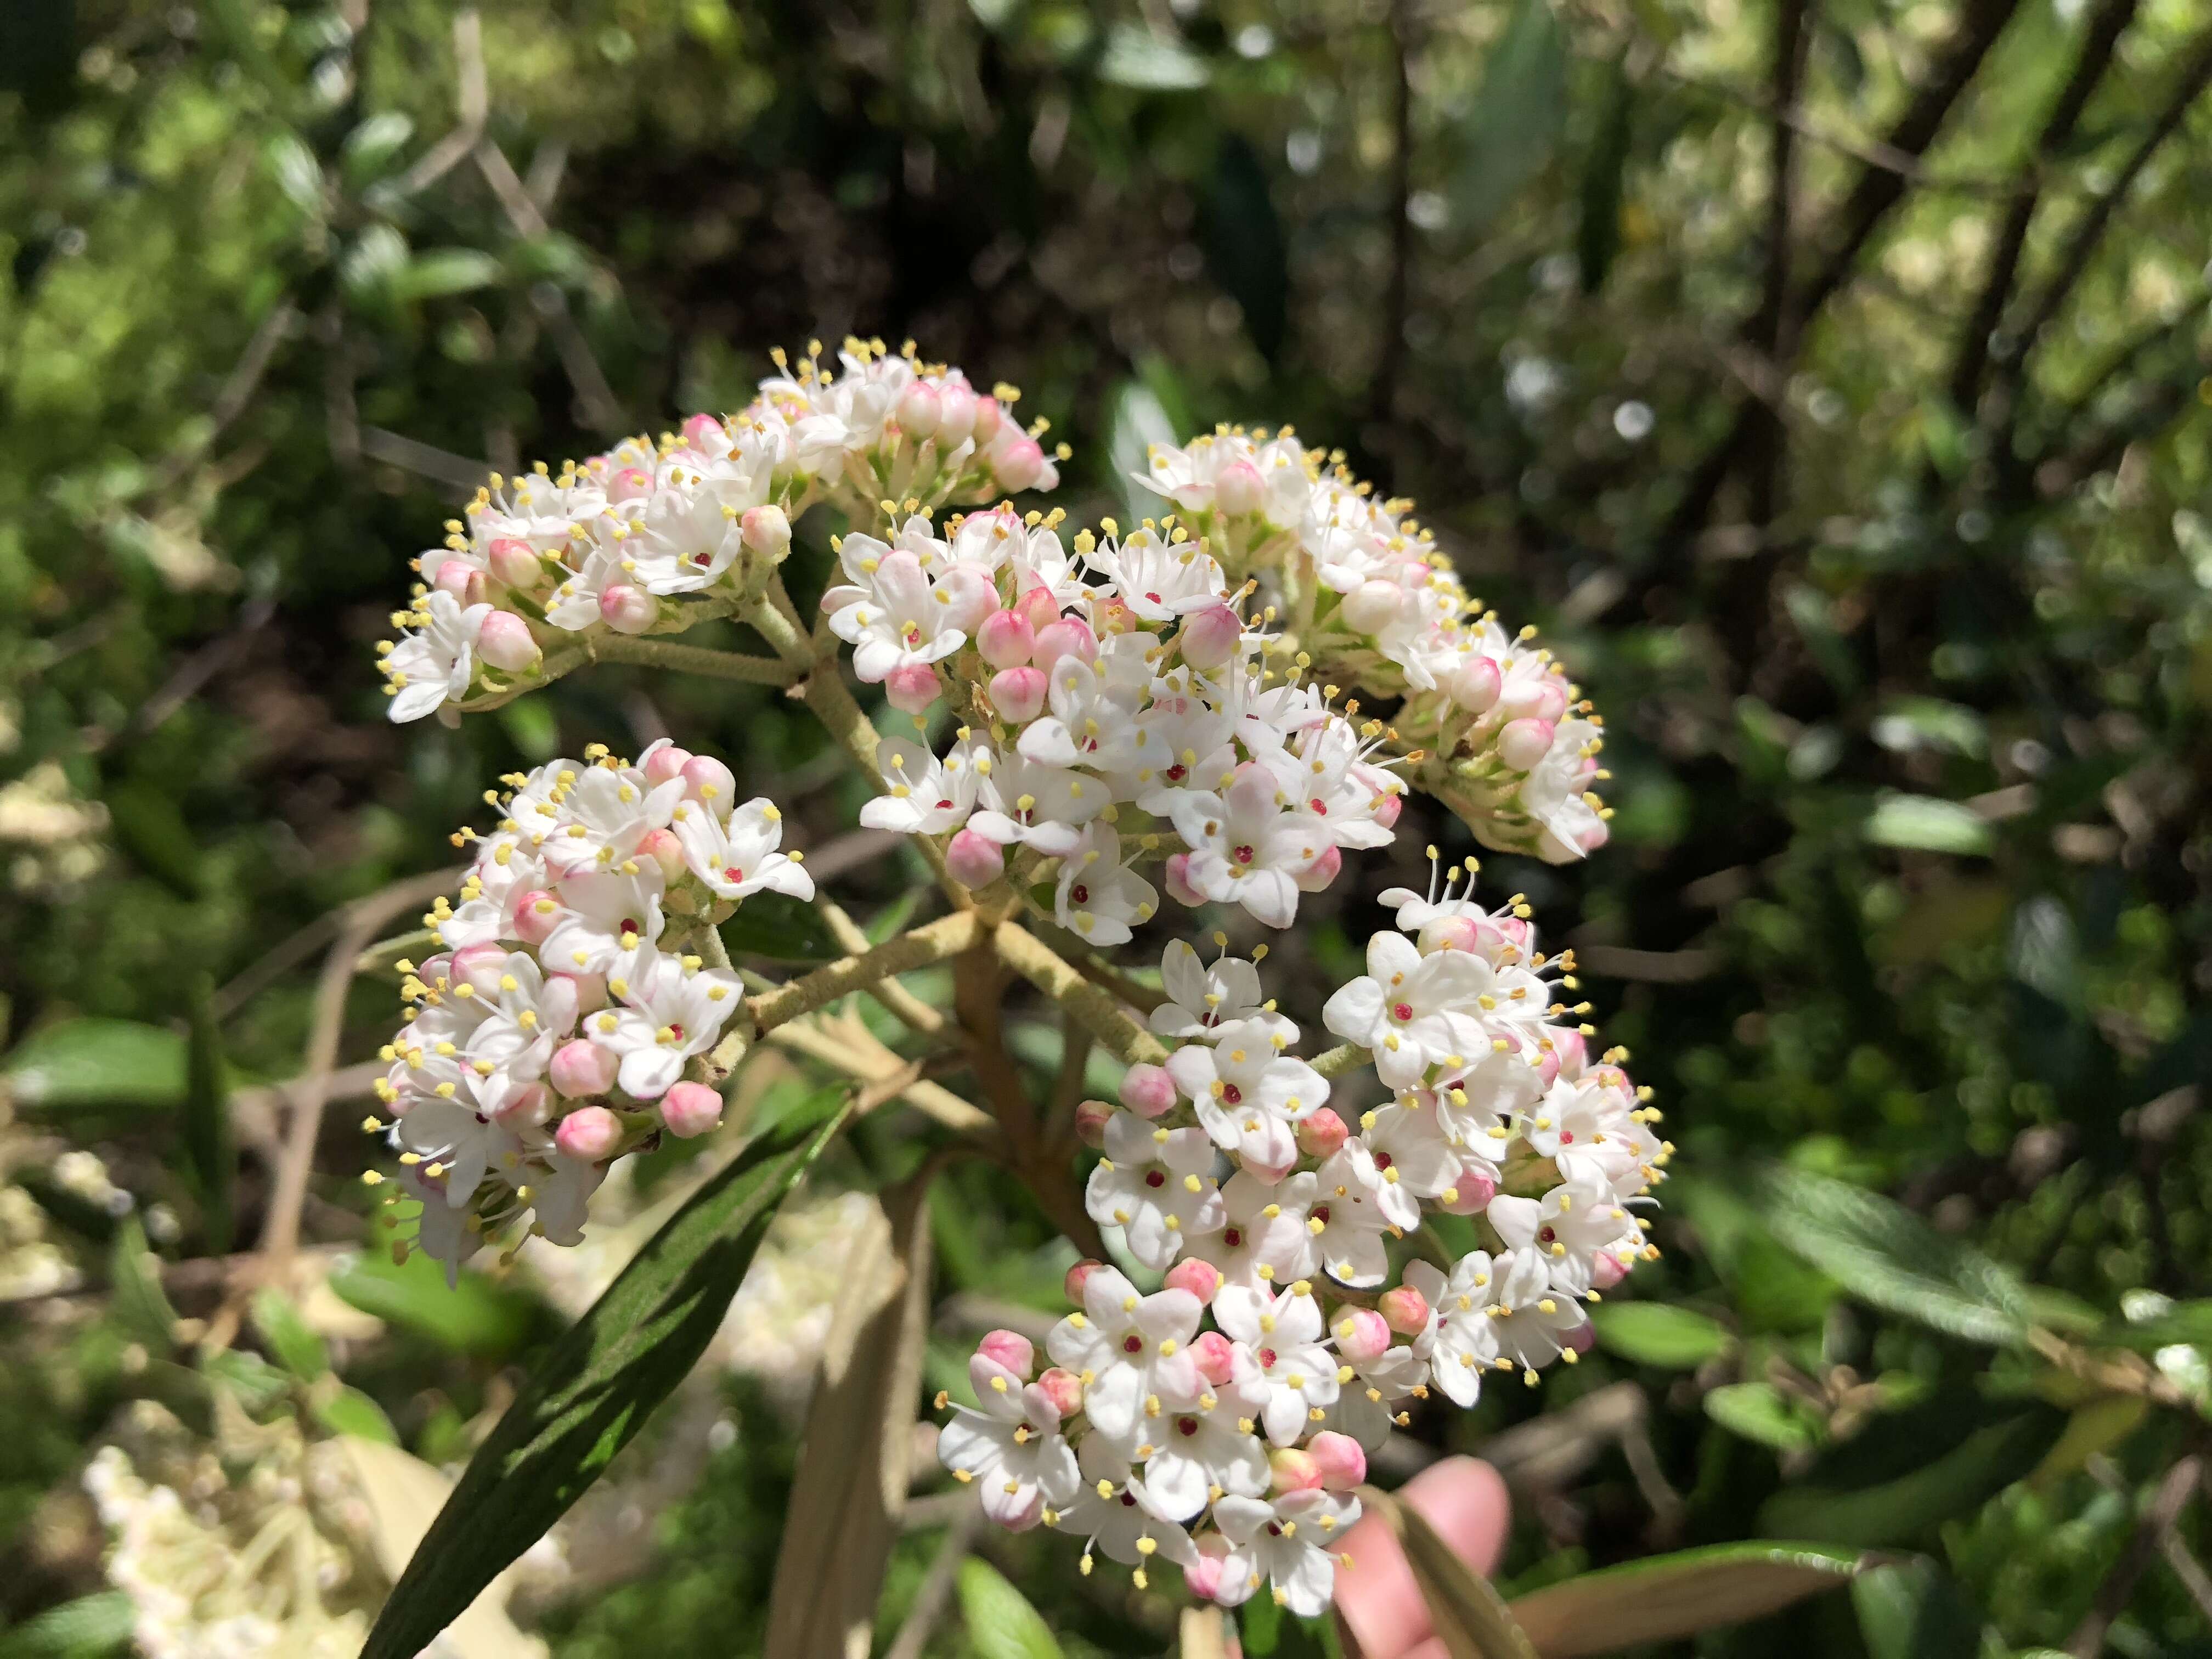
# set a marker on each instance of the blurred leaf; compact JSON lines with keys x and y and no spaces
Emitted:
{"x":1516,"y":118}
{"x":1667,"y":1597}
{"x":1906,"y":724}
{"x":531,"y":726}
{"x":205,"y":1126}
{"x":258,"y":1384}
{"x":1245,"y":248}
{"x":855,"y":1465}
{"x":1928,"y":823}
{"x":476,"y":1317}
{"x":1465,"y":1610}
{"x":1908,"y":1609}
{"x":2095,"y":1428}
{"x":782,"y":929}
{"x":372,"y":147}
{"x":1942,"y":1483}
{"x":1882,"y":1253}
{"x":438,"y":271}
{"x":1139,"y":422}
{"x":136,"y":1299}
{"x":369,"y":270}
{"x":2179,"y":1321}
{"x":1144,"y":59}
{"x":892,"y":919}
{"x":1943,"y":434}
{"x":1001,"y":1624}
{"x":1604,"y":172}
{"x":348,"y":1411}
{"x":151,"y":827}
{"x":1760,"y":1412}
{"x":289,"y":1337}
{"x":1651,"y":1333}
{"x":2044,"y":953}
{"x":91,"y":1627}
{"x":95,"y":1062}
{"x":292,"y":164}
{"x":592,"y":1393}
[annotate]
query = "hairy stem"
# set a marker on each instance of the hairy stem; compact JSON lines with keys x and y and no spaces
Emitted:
{"x":948,"y":936}
{"x":1336,"y":1061}
{"x":1098,"y":1009}
{"x":693,"y":660}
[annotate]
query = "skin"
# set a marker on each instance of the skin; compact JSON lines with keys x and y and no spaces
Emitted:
{"x":1377,"y":1605}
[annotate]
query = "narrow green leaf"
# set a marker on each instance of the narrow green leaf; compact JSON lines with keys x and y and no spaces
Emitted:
{"x":1884,"y":1255}
{"x":592,"y":1393}
{"x":1759,"y":1412}
{"x":258,"y":1384}
{"x":1652,"y":1333}
{"x":1911,"y":1608}
{"x":2184,"y":1321}
{"x":1149,"y":61}
{"x":92,"y":1627}
{"x":1002,"y":1623}
{"x":1604,"y":174}
{"x":137,"y":1299}
{"x":1926,"y":823}
{"x":290,"y":1338}
{"x":1466,"y":1613}
{"x":476,"y":1317}
{"x":205,"y":1126}
{"x":779,"y":928}
{"x":95,"y":1062}
{"x":372,"y":147}
{"x":438,"y":271}
{"x":1670,"y":1596}
{"x":348,"y":1411}
{"x":1516,"y":118}
{"x":1259,"y":1622}
{"x":1245,"y":248}
{"x":1902,"y":1510}
{"x":892,"y":920}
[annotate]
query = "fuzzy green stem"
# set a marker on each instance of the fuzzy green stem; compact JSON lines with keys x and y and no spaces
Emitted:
{"x":947,"y":937}
{"x":1099,"y":1010}
{"x":693,"y":660}
{"x":1336,"y":1061}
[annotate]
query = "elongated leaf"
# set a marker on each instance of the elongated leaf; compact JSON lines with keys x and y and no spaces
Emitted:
{"x":1468,"y":1614}
{"x":1884,"y":1255}
{"x":348,"y":1411}
{"x":779,"y":927}
{"x":205,"y":1127}
{"x":1516,"y":118}
{"x":850,"y":1488}
{"x":1928,"y":823}
{"x":1652,"y":1333}
{"x":1598,"y":237}
{"x":1760,"y":1412}
{"x":476,"y":1317}
{"x":1002,"y":1623}
{"x":441,"y":271}
{"x":592,"y":1393}
{"x":138,"y":1301}
{"x":92,"y":1627}
{"x":2184,"y":1321}
{"x":1675,"y":1595}
{"x":1945,"y":1483}
{"x":1140,"y":422}
{"x":290,"y":1338}
{"x":151,"y":827}
{"x":1909,"y":1608}
{"x":1151,"y":62}
{"x":1245,"y":247}
{"x":95,"y":1062}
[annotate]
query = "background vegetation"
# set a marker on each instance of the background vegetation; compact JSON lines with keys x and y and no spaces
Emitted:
{"x":1827,"y":376}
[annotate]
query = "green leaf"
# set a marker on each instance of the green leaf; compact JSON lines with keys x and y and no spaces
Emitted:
{"x":369,"y":270}
{"x":348,"y":1411}
{"x":592,"y":1393}
{"x":1909,"y":1608}
{"x":1597,"y":238}
{"x":1001,"y":1624}
{"x":1244,"y":241}
{"x":1464,"y":1608}
{"x":151,"y":827}
{"x":891,"y":921}
{"x":438,"y":271}
{"x":780,"y":928}
{"x":91,"y":1627}
{"x":372,"y":149}
{"x":1151,"y":62}
{"x":289,"y":1337}
{"x":258,"y":1384}
{"x":1651,"y":1333}
{"x":531,"y":728}
{"x":1760,"y":1412}
{"x":1901,"y":1510}
{"x":136,"y":1300}
{"x":1140,"y":422}
{"x":205,"y":1128}
{"x":95,"y":1062}
{"x":1667,"y":1597}
{"x":292,"y":164}
{"x":476,"y":1317}
{"x":1259,"y":1622}
{"x":1884,"y":1255}
{"x":1516,"y":118}
{"x":2187,"y":1322}
{"x":1926,"y":823}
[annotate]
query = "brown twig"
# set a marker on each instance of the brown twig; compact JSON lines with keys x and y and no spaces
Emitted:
{"x":2173,"y":1494}
{"x":934,"y":1593}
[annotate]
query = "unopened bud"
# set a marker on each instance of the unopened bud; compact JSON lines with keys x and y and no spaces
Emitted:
{"x":1006,"y":639}
{"x":1038,"y":608}
{"x":580,"y":1069}
{"x":956,"y":413}
{"x":1451,"y":932}
{"x":1374,"y":605}
{"x":916,"y":411}
{"x":1200,"y":1278}
{"x":1607,"y":1270}
{"x":1214,"y":1355}
{"x":1475,"y":685}
{"x":1011,"y":1349}
{"x":1203,"y":1571}
{"x":700,"y":431}
{"x":479,"y":967}
{"x":913,"y":688}
{"x":556,"y":1003}
{"x":1290,"y":1469}
{"x":516,"y":562}
{"x":1078,"y":1276}
{"x":1342,"y":1464}
{"x":1405,"y":1309}
{"x":526,"y":1106}
{"x":973,"y":860}
{"x":589,"y":1135}
{"x":1387,"y":810}
{"x":1211,"y":636}
{"x":1070,"y":636}
{"x":589,"y":991}
{"x":1019,"y":464}
{"x":706,"y":779}
{"x":1147,"y":1090}
{"x":535,"y":913}
{"x":1063,"y":1388}
{"x":1469,"y":1194}
{"x":463,"y":580}
{"x":1177,"y":874}
{"x":1017,"y":694}
{"x":690,"y":1109}
{"x":1239,"y":489}
{"x":627,"y":610}
{"x":990,"y":421}
{"x":1092,"y":1117}
{"x":967,"y":597}
{"x":629,"y":483}
{"x":766,"y":530}
{"x":1572,"y":1050}
{"x":1525,"y":742}
{"x":664,"y":762}
{"x":1361,"y":1334}
{"x":1320,"y":1133}
{"x":665,"y":850}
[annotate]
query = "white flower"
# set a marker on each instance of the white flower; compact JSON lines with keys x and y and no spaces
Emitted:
{"x":604,"y":817}
{"x":1248,"y":1096}
{"x":1092,"y":721}
{"x":1207,"y":1001}
{"x":434,"y":663}
{"x":672,"y":1013}
{"x":1286,"y":1542}
{"x":1264,"y":1240}
{"x":1500,"y":1315}
{"x":1097,"y":897}
{"x":604,"y":920}
{"x":1480,"y":1105}
{"x":736,"y":856}
{"x":576,"y":603}
{"x":1590,"y":1128}
{"x":1412,"y":1012}
{"x":1117,"y":1512}
{"x":1244,"y":847}
{"x":1283,"y":1329}
{"x":1160,"y":580}
{"x":1354,"y":1206}
{"x":1132,"y":1353}
{"x":682,"y":539}
{"x":900,"y":618}
{"x":1568,"y":1230}
{"x":1365,"y":1403}
{"x":456,"y":1145}
{"x":1011,"y":1449}
{"x":1210,"y":1450}
{"x":923,"y":795}
{"x":1037,"y":806}
{"x":1156,"y":1184}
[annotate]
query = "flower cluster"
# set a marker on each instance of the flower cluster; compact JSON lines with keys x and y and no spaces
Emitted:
{"x":1366,"y":592}
{"x":653,"y":537}
{"x":1117,"y":710}
{"x":1218,"y":1421}
{"x":552,"y":1029}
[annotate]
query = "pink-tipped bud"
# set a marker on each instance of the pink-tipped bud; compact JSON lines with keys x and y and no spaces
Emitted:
{"x":1316,"y":877}
{"x":535,"y":913}
{"x":505,"y":642}
{"x":665,"y":761}
{"x":1215,"y":1355}
{"x":1342,"y":1464}
{"x":627,"y":610}
{"x":1525,"y":742}
{"x":629,"y":484}
{"x":1451,"y":932}
{"x":463,"y":580}
{"x":990,"y":420}
{"x":1594,"y":836}
{"x":690,"y":1109}
{"x":1063,"y":1388}
{"x":1320,"y":1133}
{"x":1268,"y":1173}
{"x":700,"y":431}
{"x":956,"y":413}
{"x":1239,"y":489}
{"x":1019,"y":464}
{"x":1475,"y":685}
{"x":1469,"y":1194}
{"x":1078,"y":1276}
{"x":1607,"y":1270}
{"x":913,"y":688}
{"x":1572,"y":1050}
{"x":665,"y":850}
{"x":1092,"y":1117}
{"x":1011,"y":1349}
{"x":580,"y":1069}
{"x":1203,"y":1571}
{"x":526,"y":1106}
{"x":1177,"y":874}
{"x":1017,"y":694}
{"x":434,"y":969}
{"x":1405,"y":1309}
{"x":1290,"y":1469}
{"x":1387,"y":810}
{"x":1581,"y":1340}
{"x":1211,"y":636}
{"x":1006,"y":639}
{"x":588,"y":990}
{"x":706,"y":779}
{"x":973,"y":860}
{"x":916,"y":410}
{"x":766,"y":530}
{"x":479,"y":967}
{"x":1070,"y":636}
{"x":1147,"y":1090}
{"x":589,"y":1134}
{"x":1374,"y":605}
{"x":1039,"y":609}
{"x":1361,"y":1334}
{"x":516,"y":562}
{"x":1547,"y":1068}
{"x":1200,"y":1278}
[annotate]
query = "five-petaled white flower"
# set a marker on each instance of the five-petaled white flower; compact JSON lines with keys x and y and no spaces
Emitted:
{"x":1283,"y":1329}
{"x":1245,"y":848}
{"x":736,"y":856}
{"x":1098,"y":895}
{"x":435,"y":661}
{"x":1286,"y":1542}
{"x":671,"y":1012}
{"x":1156,"y":1185}
{"x":1204,"y":1001}
{"x":1011,"y":1450}
{"x":1131,"y":1352}
{"x":1412,"y":1012}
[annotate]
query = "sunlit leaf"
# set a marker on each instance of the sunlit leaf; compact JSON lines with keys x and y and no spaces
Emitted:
{"x":1139,"y":422}
{"x":372,"y":148}
{"x":475,"y":1316}
{"x":1943,"y":1477}
{"x":1516,"y":118}
{"x":136,"y":1299}
{"x":151,"y":827}
{"x":438,"y":271}
{"x":1760,"y":1412}
{"x":296,"y":1346}
{"x":1151,"y":62}
{"x":348,"y":1411}
{"x":1666,"y":1597}
{"x":1653,"y":1334}
{"x":91,"y":1627}
{"x":1928,"y":824}
{"x":1002,"y":1623}
{"x":95,"y":1062}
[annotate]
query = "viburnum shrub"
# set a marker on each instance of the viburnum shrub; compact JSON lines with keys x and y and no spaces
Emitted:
{"x":1186,"y":711}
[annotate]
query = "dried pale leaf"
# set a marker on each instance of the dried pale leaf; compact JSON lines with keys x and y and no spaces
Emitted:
{"x":1468,"y":1614}
{"x":850,"y":1489}
{"x":1204,"y":1634}
{"x":1670,"y":1596}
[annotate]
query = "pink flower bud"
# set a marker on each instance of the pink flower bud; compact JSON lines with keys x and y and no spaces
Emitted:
{"x":956,"y":413}
{"x":1607,"y":1270}
{"x":973,"y":860}
{"x":665,"y":761}
{"x":588,"y":990}
{"x":1470,"y":1194}
{"x":968,"y":596}
{"x":535,"y":913}
{"x":463,"y":580}
{"x":516,"y":562}
{"x":1202,"y":1571}
{"x":1530,"y":697}
{"x":627,"y":610}
{"x":1268,"y":1173}
{"x":580,"y":1069}
{"x":434,"y":969}
{"x":1063,"y":1388}
{"x":1342,"y":1464}
{"x":1177,"y":874}
{"x":1405,"y":1309}
{"x":479,"y":967}
{"x":1011,"y":1349}
{"x":526,"y":1105}
{"x":1322,"y":1133}
{"x":1547,"y":1068}
{"x":1374,"y":605}
{"x":1594,"y":836}
{"x":1239,"y":489}
{"x":629,"y":484}
{"x":1069,"y":636}
{"x":990,"y":418}
{"x":1211,"y":636}
{"x":506,"y":642}
{"x":913,"y":688}
{"x":1475,"y":685}
{"x":690,"y":1109}
{"x":1581,"y":1340}
{"x":1451,"y":932}
{"x":1021,"y":464}
{"x":1551,"y":699}
{"x":1200,"y":1278}
{"x":1387,"y":810}
{"x":706,"y":779}
{"x":1290,"y":1469}
{"x":1018,"y":694}
{"x":1215,"y":1355}
{"x":1006,"y":639}
{"x":1041,"y":610}
{"x":1316,"y":877}
{"x":1147,"y":1090}
{"x":589,"y":1135}
{"x":766,"y":530}
{"x":700,"y":431}
{"x":1525,"y":742}
{"x":665,"y":850}
{"x":1077,"y":1276}
{"x":1361,"y":1334}
{"x":916,"y":410}
{"x":557,"y":1006}
{"x":1092,"y":1117}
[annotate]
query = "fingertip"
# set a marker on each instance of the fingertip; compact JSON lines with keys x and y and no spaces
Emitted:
{"x":1377,"y":1599}
{"x":1465,"y":1499}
